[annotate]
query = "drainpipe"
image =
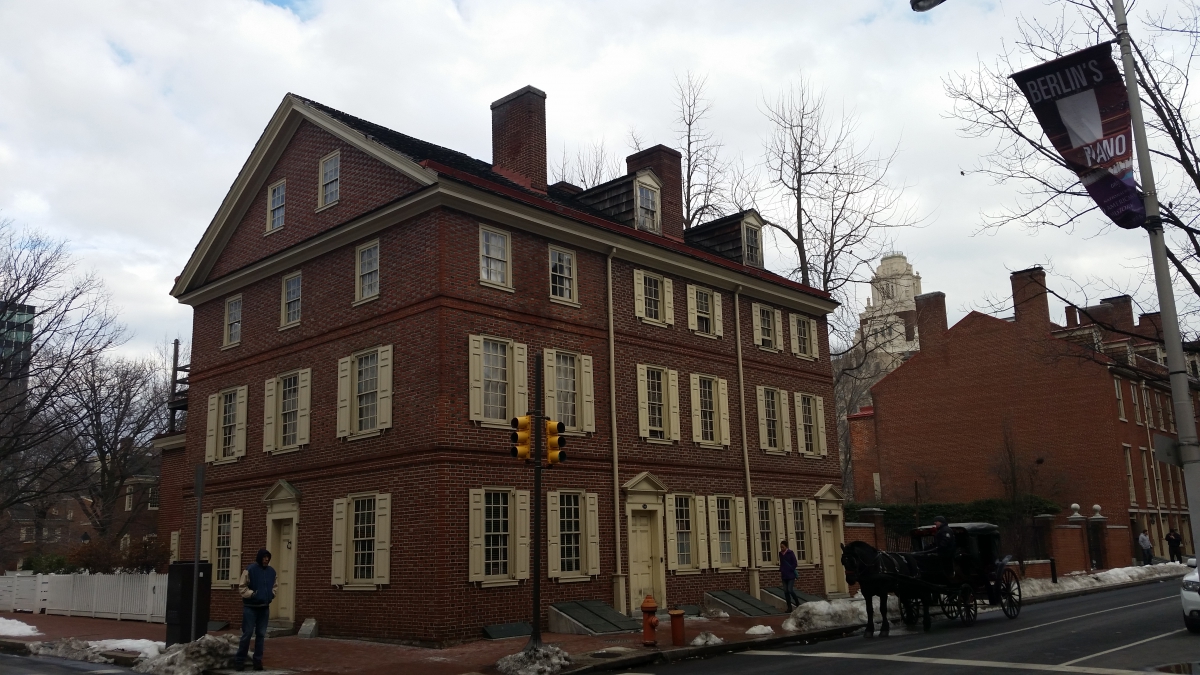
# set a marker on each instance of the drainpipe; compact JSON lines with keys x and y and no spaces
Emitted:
{"x":618,"y":575}
{"x":750,"y":507}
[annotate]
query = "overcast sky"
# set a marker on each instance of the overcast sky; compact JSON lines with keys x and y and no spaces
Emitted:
{"x":122,"y":125}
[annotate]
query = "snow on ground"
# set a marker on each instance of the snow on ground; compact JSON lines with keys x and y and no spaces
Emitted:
{"x":210,"y":652}
{"x":822,"y":614}
{"x":14,"y":628}
{"x":760,"y":630}
{"x":1032,"y":588}
{"x":706,"y":638}
{"x":544,"y":661}
{"x":146,"y":649}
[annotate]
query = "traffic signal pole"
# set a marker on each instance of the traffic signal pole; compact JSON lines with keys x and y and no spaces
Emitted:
{"x":535,"y":635}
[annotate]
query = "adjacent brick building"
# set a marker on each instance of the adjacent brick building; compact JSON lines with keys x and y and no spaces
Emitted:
{"x":368,"y":312}
{"x":1077,"y":404}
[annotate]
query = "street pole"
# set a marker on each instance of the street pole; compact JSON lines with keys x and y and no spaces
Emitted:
{"x":1185,"y":421}
{"x":199,"y":490}
{"x":539,"y":423}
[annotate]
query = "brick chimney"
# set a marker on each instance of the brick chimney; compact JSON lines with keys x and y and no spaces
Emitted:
{"x":931,"y":319}
{"x":1030,"y":304}
{"x":1072,"y":317}
{"x":519,"y":137}
{"x":667,"y":166}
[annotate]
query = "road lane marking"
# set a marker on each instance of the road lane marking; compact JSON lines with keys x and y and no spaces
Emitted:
{"x":927,"y":660}
{"x":1040,"y":625}
{"x":1117,"y":649}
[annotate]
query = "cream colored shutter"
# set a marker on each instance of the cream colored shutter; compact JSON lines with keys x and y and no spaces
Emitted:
{"x":522,"y":566}
{"x":756,"y":321}
{"x":723,"y":385}
{"x":740,"y":531}
{"x":304,"y":407}
{"x":789,"y":526}
{"x":206,"y":537}
{"x":718,"y":319}
{"x":762,"y":419}
{"x":520,"y":380}
{"x":553,"y":540}
{"x":786,"y":418}
{"x":792,"y":324}
{"x":700,"y":527}
{"x":814,"y":344}
{"x":643,"y":411}
{"x":550,"y":383}
{"x":383,"y":538}
{"x":589,"y":394}
{"x":673,"y":381}
{"x":714,"y":541}
{"x":593,"y":534}
{"x":779,"y":527}
{"x":174,"y":545}
{"x":813,"y":530}
{"x":777,"y":318}
{"x":691,"y":306}
{"x":669,"y":293}
{"x":697,"y":436}
{"x":343,"y":400}
{"x":475,"y":519}
{"x":269,"y":415}
{"x":820,"y":414}
{"x":239,"y":438}
{"x":337,"y":565}
{"x":475,"y":368}
{"x":798,"y":403}
{"x":384,"y":395}
{"x":235,"y":546}
{"x":672,"y":536}
{"x":639,"y":293}
{"x":210,"y":438}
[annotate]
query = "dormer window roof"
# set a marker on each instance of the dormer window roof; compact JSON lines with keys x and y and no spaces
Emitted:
{"x":737,"y":237}
{"x":634,"y":200}
{"x":752,"y":243}
{"x":647,"y":212}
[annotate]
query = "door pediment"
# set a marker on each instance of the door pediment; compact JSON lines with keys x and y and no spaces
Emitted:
{"x":645,"y":482}
{"x":282,"y":497}
{"x":829,"y":493}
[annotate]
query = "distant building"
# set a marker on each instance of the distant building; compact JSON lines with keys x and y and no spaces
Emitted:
{"x":51,"y":526}
{"x":16,"y":335}
{"x":889,"y":322}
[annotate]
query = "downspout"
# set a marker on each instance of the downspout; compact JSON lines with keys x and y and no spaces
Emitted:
{"x":618,"y":575}
{"x":737,"y":329}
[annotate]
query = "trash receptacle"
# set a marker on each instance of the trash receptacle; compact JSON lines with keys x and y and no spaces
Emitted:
{"x":179,"y":601}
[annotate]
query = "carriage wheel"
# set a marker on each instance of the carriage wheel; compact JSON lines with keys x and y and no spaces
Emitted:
{"x":1010,"y":594}
{"x":949,"y":605}
{"x":910,"y":611}
{"x":966,"y":605}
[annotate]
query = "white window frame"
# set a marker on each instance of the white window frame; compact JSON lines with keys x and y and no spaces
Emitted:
{"x":756,"y":313}
{"x":517,"y":396}
{"x":348,"y":404}
{"x":699,"y":547}
{"x":715,"y":316}
{"x":589,"y":536}
{"x":152,"y":498}
{"x":572,"y":301}
{"x":222,"y":425}
{"x":738,"y":551}
{"x":359,"y":296}
{"x":226,"y":342}
{"x":342,"y":565}
{"x":518,"y":537}
{"x":819,"y":433}
{"x":772,"y":532}
{"x":273,"y":420}
{"x":746,"y":229}
{"x":809,"y":349}
{"x":645,"y":180}
{"x":670,"y":404}
{"x":783,"y":414}
{"x":214,"y":438}
{"x":283,"y":301}
{"x":666,"y":313}
{"x":800,"y":537}
{"x":321,"y":182}
{"x":1120,"y":400}
{"x":721,"y":434}
{"x":1133,"y":399}
{"x":271,"y":227}
{"x":585,"y":398}
{"x":507,"y":284}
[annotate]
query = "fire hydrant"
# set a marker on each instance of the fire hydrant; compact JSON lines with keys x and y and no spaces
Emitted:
{"x":649,"y":621}
{"x":677,"y":637}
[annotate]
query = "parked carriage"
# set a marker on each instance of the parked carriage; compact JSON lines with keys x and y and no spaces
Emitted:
{"x":978,"y":571}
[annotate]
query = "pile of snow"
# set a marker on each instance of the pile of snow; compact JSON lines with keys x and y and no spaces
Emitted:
{"x":1032,"y":588}
{"x":716,"y":614}
{"x":69,"y":648}
{"x":210,"y":652}
{"x":14,"y":628}
{"x":822,"y":614}
{"x":146,"y":649}
{"x":706,"y":638}
{"x":544,"y":661}
{"x":760,"y":630}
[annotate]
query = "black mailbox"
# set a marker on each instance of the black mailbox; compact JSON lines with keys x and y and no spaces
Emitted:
{"x":179,"y":601}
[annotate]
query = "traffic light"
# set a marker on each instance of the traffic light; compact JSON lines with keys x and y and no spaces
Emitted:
{"x":554,"y":442}
{"x":522,"y":437}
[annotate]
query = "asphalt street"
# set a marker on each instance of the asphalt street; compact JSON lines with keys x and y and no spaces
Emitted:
{"x":1129,"y":630}
{"x":25,"y":665}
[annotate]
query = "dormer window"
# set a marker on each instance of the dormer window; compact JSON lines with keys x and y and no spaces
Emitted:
{"x":647,"y":208}
{"x":752,"y":245}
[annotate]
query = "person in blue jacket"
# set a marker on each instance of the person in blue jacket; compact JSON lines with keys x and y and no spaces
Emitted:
{"x":257,"y":587}
{"x":787,"y":571}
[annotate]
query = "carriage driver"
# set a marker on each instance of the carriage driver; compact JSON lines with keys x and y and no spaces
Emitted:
{"x":944,"y":545}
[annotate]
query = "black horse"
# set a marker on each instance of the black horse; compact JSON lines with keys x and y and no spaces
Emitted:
{"x":878,"y":574}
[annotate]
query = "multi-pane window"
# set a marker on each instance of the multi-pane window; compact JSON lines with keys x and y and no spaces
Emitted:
{"x":647,"y":211}
{"x":565,"y":388}
{"x":1158,"y":408}
{"x":495,"y":534}
{"x":725,"y":529}
{"x":152,"y":498}
{"x":654,"y":403}
{"x":368,"y":271}
{"x":766,"y":538}
{"x":129,"y":498}
{"x":771,"y":414}
{"x":562,"y":274}
{"x":683,"y":530}
{"x":1133,"y":400}
{"x":808,"y":423}
{"x":766,"y":320}
{"x":653,"y":297}
{"x":1120,"y":399}
{"x":291,"y":299}
{"x":704,"y":318}
{"x":277,"y":201}
{"x":493,"y":257}
{"x":363,"y":538}
{"x":1146,"y":405}
{"x":228,"y":423}
{"x":570,"y":532}
{"x":233,"y":320}
{"x":800,"y":536}
{"x":708,"y":410}
{"x":753,"y":246}
{"x":803,"y":336}
{"x":224,"y":540}
{"x":289,"y":408}
{"x":367,"y":390}
{"x":331,"y":172}
{"x":495,"y":379}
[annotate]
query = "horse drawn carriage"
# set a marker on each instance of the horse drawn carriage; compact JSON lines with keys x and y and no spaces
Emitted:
{"x":954,"y":581}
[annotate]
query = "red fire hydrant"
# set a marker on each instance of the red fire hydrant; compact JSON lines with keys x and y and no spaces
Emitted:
{"x":677,"y":637}
{"x":649,"y":621}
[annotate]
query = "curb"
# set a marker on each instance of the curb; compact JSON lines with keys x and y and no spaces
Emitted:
{"x":1097,"y":589}
{"x":17,"y":647}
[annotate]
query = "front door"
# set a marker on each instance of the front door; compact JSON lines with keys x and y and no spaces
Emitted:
{"x":283,"y":552}
{"x":642,"y":558}
{"x":831,"y":563}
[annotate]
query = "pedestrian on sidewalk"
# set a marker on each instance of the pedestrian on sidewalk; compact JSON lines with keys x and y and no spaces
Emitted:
{"x":1175,"y":544}
{"x":1147,"y":548}
{"x":257,"y":587}
{"x":787,"y":570}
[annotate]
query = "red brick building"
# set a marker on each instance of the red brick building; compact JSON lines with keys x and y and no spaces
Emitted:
{"x":368,"y":312}
{"x":1085,"y":399}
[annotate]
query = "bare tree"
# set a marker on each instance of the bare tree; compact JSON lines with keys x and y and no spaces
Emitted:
{"x":704,"y":172}
{"x":590,"y":165}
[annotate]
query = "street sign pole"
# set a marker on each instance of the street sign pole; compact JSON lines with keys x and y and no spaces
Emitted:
{"x":539,"y":423}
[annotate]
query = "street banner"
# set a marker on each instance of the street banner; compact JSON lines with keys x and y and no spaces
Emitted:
{"x":1081,"y":102}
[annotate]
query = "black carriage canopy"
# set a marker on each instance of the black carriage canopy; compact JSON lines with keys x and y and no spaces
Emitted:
{"x":968,"y":528}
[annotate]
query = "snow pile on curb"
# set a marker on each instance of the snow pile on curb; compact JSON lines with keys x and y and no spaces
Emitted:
{"x":760,"y":630}
{"x":146,"y":649}
{"x":68,"y":648}
{"x":1032,"y":588}
{"x":822,"y":614}
{"x":14,"y":628}
{"x":549,"y":659}
{"x":210,"y":652}
{"x":705,"y":639}
{"x":715,"y":614}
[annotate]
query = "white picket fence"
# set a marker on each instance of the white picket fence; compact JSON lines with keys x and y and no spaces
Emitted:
{"x":131,"y":597}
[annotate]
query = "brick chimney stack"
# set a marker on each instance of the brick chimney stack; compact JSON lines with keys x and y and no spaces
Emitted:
{"x":1030,"y":304}
{"x":931,"y":319}
{"x":667,"y":165}
{"x":519,"y":137}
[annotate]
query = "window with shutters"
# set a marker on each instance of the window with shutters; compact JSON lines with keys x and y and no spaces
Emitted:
{"x":655,"y":402}
{"x":495,"y":380}
{"x":566,"y":388}
{"x":289,"y":409}
{"x":808,"y":423}
{"x":752,"y":245}
{"x":803,"y":336}
{"x":222,"y":544}
{"x":495,"y":252}
{"x":233,"y":321}
{"x":275,"y":204}
{"x":570,"y":533}
{"x":648,"y":217}
{"x":495,"y":533}
{"x":229,"y":421}
{"x":653,"y":297}
{"x":1146,"y":407}
{"x":364,"y":394}
{"x":708,"y":410}
{"x":766,"y":531}
{"x":366,"y":388}
{"x":725,"y":541}
{"x":704,"y":311}
{"x":290,"y":306}
{"x":152,"y":498}
{"x":1129,"y":476}
{"x":771,"y":413}
{"x":366,"y":272}
{"x":362,"y":538}
{"x":362,"y":541}
{"x":1120,"y":400}
{"x":331,"y":179}
{"x":1158,"y":408}
{"x":286,"y":411}
{"x":766,"y":320}
{"x":1133,"y":400}
{"x":683,"y":530}
{"x":563,"y":276}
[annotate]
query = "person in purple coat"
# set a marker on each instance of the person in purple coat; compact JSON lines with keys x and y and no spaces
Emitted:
{"x":787,"y":570}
